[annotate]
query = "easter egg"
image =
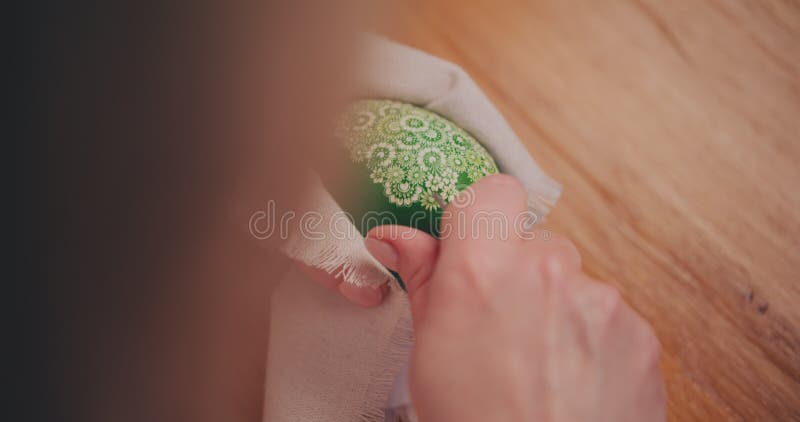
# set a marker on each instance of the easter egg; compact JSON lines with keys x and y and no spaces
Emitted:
{"x":406,"y":162}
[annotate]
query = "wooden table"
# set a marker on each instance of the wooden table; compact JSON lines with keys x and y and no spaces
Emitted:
{"x":675,"y":130}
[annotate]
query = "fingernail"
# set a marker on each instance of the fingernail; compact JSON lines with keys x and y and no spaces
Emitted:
{"x":385,"y":253}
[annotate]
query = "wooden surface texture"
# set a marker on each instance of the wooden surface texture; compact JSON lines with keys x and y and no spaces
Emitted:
{"x":674,"y":127}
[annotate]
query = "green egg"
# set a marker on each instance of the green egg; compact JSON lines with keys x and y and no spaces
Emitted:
{"x":402,"y":164}
{"x":406,"y":163}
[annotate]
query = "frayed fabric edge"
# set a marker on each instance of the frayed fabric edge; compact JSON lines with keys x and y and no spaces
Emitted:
{"x":391,"y":360}
{"x":342,"y":256}
{"x":542,"y":196}
{"x":353,"y":264}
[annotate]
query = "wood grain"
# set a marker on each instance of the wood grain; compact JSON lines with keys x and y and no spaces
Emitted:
{"x":675,"y":130}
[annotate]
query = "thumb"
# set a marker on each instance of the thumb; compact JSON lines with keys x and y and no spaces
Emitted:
{"x":409,"y":252}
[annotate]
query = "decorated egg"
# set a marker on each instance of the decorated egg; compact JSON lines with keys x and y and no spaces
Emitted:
{"x":407,"y":163}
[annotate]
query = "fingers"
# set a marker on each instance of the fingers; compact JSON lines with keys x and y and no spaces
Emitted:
{"x":604,"y":308}
{"x":478,"y":229}
{"x":483,"y":216}
{"x":554,"y":256}
{"x":409,"y":252}
{"x":366,"y":296}
{"x":483,"y":235}
{"x":412,"y":254}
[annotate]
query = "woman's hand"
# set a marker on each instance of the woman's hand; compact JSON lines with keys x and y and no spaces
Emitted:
{"x":508,"y":328}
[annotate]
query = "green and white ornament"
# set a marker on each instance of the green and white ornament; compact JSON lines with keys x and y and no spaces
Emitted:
{"x":412,"y":161}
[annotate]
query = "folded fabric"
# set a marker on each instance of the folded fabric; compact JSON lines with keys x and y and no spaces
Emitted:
{"x":327,"y":359}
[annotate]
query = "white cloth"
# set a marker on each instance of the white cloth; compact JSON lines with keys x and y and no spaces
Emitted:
{"x":329,"y":360}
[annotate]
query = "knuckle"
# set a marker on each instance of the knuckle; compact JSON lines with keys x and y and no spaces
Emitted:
{"x":557,"y":252}
{"x":553,"y":265}
{"x":610,"y":299}
{"x":611,"y":307}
